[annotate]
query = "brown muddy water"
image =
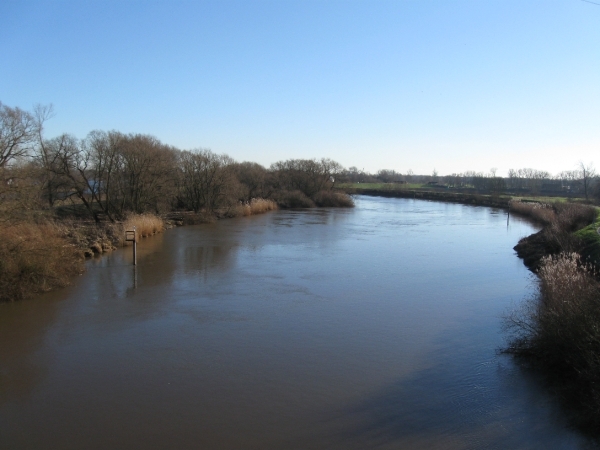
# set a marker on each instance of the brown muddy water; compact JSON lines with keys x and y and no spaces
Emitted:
{"x":374,"y":327}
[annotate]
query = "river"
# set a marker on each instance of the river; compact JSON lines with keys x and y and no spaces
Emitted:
{"x":373,"y":327}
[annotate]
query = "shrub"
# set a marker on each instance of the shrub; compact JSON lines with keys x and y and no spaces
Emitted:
{"x":562,"y":220}
{"x":293,"y":199}
{"x":35,"y":258}
{"x":331,"y":198}
{"x":571,"y":217}
{"x":559,"y":330}
{"x":540,"y":212}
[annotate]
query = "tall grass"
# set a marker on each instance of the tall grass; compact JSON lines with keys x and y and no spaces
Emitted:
{"x":540,"y":212}
{"x":559,"y":331}
{"x":256,"y":206}
{"x":35,"y":258}
{"x":145,"y":224}
{"x":562,"y":221}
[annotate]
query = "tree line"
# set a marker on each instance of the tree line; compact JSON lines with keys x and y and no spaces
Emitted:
{"x":111,"y":173}
{"x":582,"y":181}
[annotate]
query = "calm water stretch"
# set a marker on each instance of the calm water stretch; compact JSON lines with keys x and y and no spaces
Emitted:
{"x":373,"y":327}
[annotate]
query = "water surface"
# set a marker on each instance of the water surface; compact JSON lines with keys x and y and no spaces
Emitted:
{"x":375,"y":327}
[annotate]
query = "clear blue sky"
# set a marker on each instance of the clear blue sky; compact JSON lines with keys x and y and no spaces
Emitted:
{"x":450,"y":85}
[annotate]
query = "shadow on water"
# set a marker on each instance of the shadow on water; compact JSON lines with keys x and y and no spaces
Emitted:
{"x":495,"y":404}
{"x":97,"y":298}
{"x":23,"y":326}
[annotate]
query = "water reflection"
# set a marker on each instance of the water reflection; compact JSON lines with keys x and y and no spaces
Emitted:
{"x":463,"y":401}
{"x":23,"y":327}
{"x":368,"y":328}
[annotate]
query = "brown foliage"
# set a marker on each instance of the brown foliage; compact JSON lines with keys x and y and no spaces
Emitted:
{"x":559,"y":330}
{"x":331,"y":198}
{"x":293,"y":199}
{"x":255,"y":206}
{"x":145,"y":224}
{"x":540,"y":212}
{"x":309,"y":176}
{"x":35,"y":258}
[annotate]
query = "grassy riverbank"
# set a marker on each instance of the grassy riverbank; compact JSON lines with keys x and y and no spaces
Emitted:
{"x":557,"y":331}
{"x":495,"y":201}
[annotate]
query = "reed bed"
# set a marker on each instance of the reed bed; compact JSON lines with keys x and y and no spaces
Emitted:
{"x":558,"y":331}
{"x":145,"y":224}
{"x":540,"y":212}
{"x":256,"y":206}
{"x":35,"y":258}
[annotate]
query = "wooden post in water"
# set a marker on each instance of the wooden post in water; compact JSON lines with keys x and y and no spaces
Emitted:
{"x":130,"y":236}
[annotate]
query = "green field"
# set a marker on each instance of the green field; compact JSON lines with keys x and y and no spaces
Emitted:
{"x":381,"y":186}
{"x":421,"y":186}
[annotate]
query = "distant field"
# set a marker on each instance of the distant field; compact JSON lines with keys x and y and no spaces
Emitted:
{"x":381,"y":186}
{"x":413,"y":186}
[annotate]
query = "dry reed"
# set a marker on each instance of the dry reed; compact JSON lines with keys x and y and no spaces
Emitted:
{"x":35,"y":258}
{"x":145,"y":224}
{"x":540,"y":212}
{"x":559,"y":332}
{"x":256,"y":206}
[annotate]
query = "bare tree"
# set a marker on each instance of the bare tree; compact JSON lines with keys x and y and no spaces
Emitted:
{"x":146,"y":168}
{"x":309,"y":176}
{"x":588,"y":177}
{"x":253,"y":178}
{"x":18,"y":133}
{"x":206,"y":180}
{"x":66,"y":160}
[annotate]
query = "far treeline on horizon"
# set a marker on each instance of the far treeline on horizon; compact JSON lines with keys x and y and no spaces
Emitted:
{"x":109,"y":174}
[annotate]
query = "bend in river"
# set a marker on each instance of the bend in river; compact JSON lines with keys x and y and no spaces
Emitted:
{"x":372,"y":327}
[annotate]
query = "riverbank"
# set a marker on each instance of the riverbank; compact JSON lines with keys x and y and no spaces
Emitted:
{"x":494,"y":201}
{"x":567,"y":228}
{"x":557,"y":331}
{"x":46,"y":253}
{"x":345,"y":294}
{"x":42,"y":255}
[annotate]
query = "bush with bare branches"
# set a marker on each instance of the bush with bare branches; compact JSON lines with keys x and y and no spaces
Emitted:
{"x":559,"y":331}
